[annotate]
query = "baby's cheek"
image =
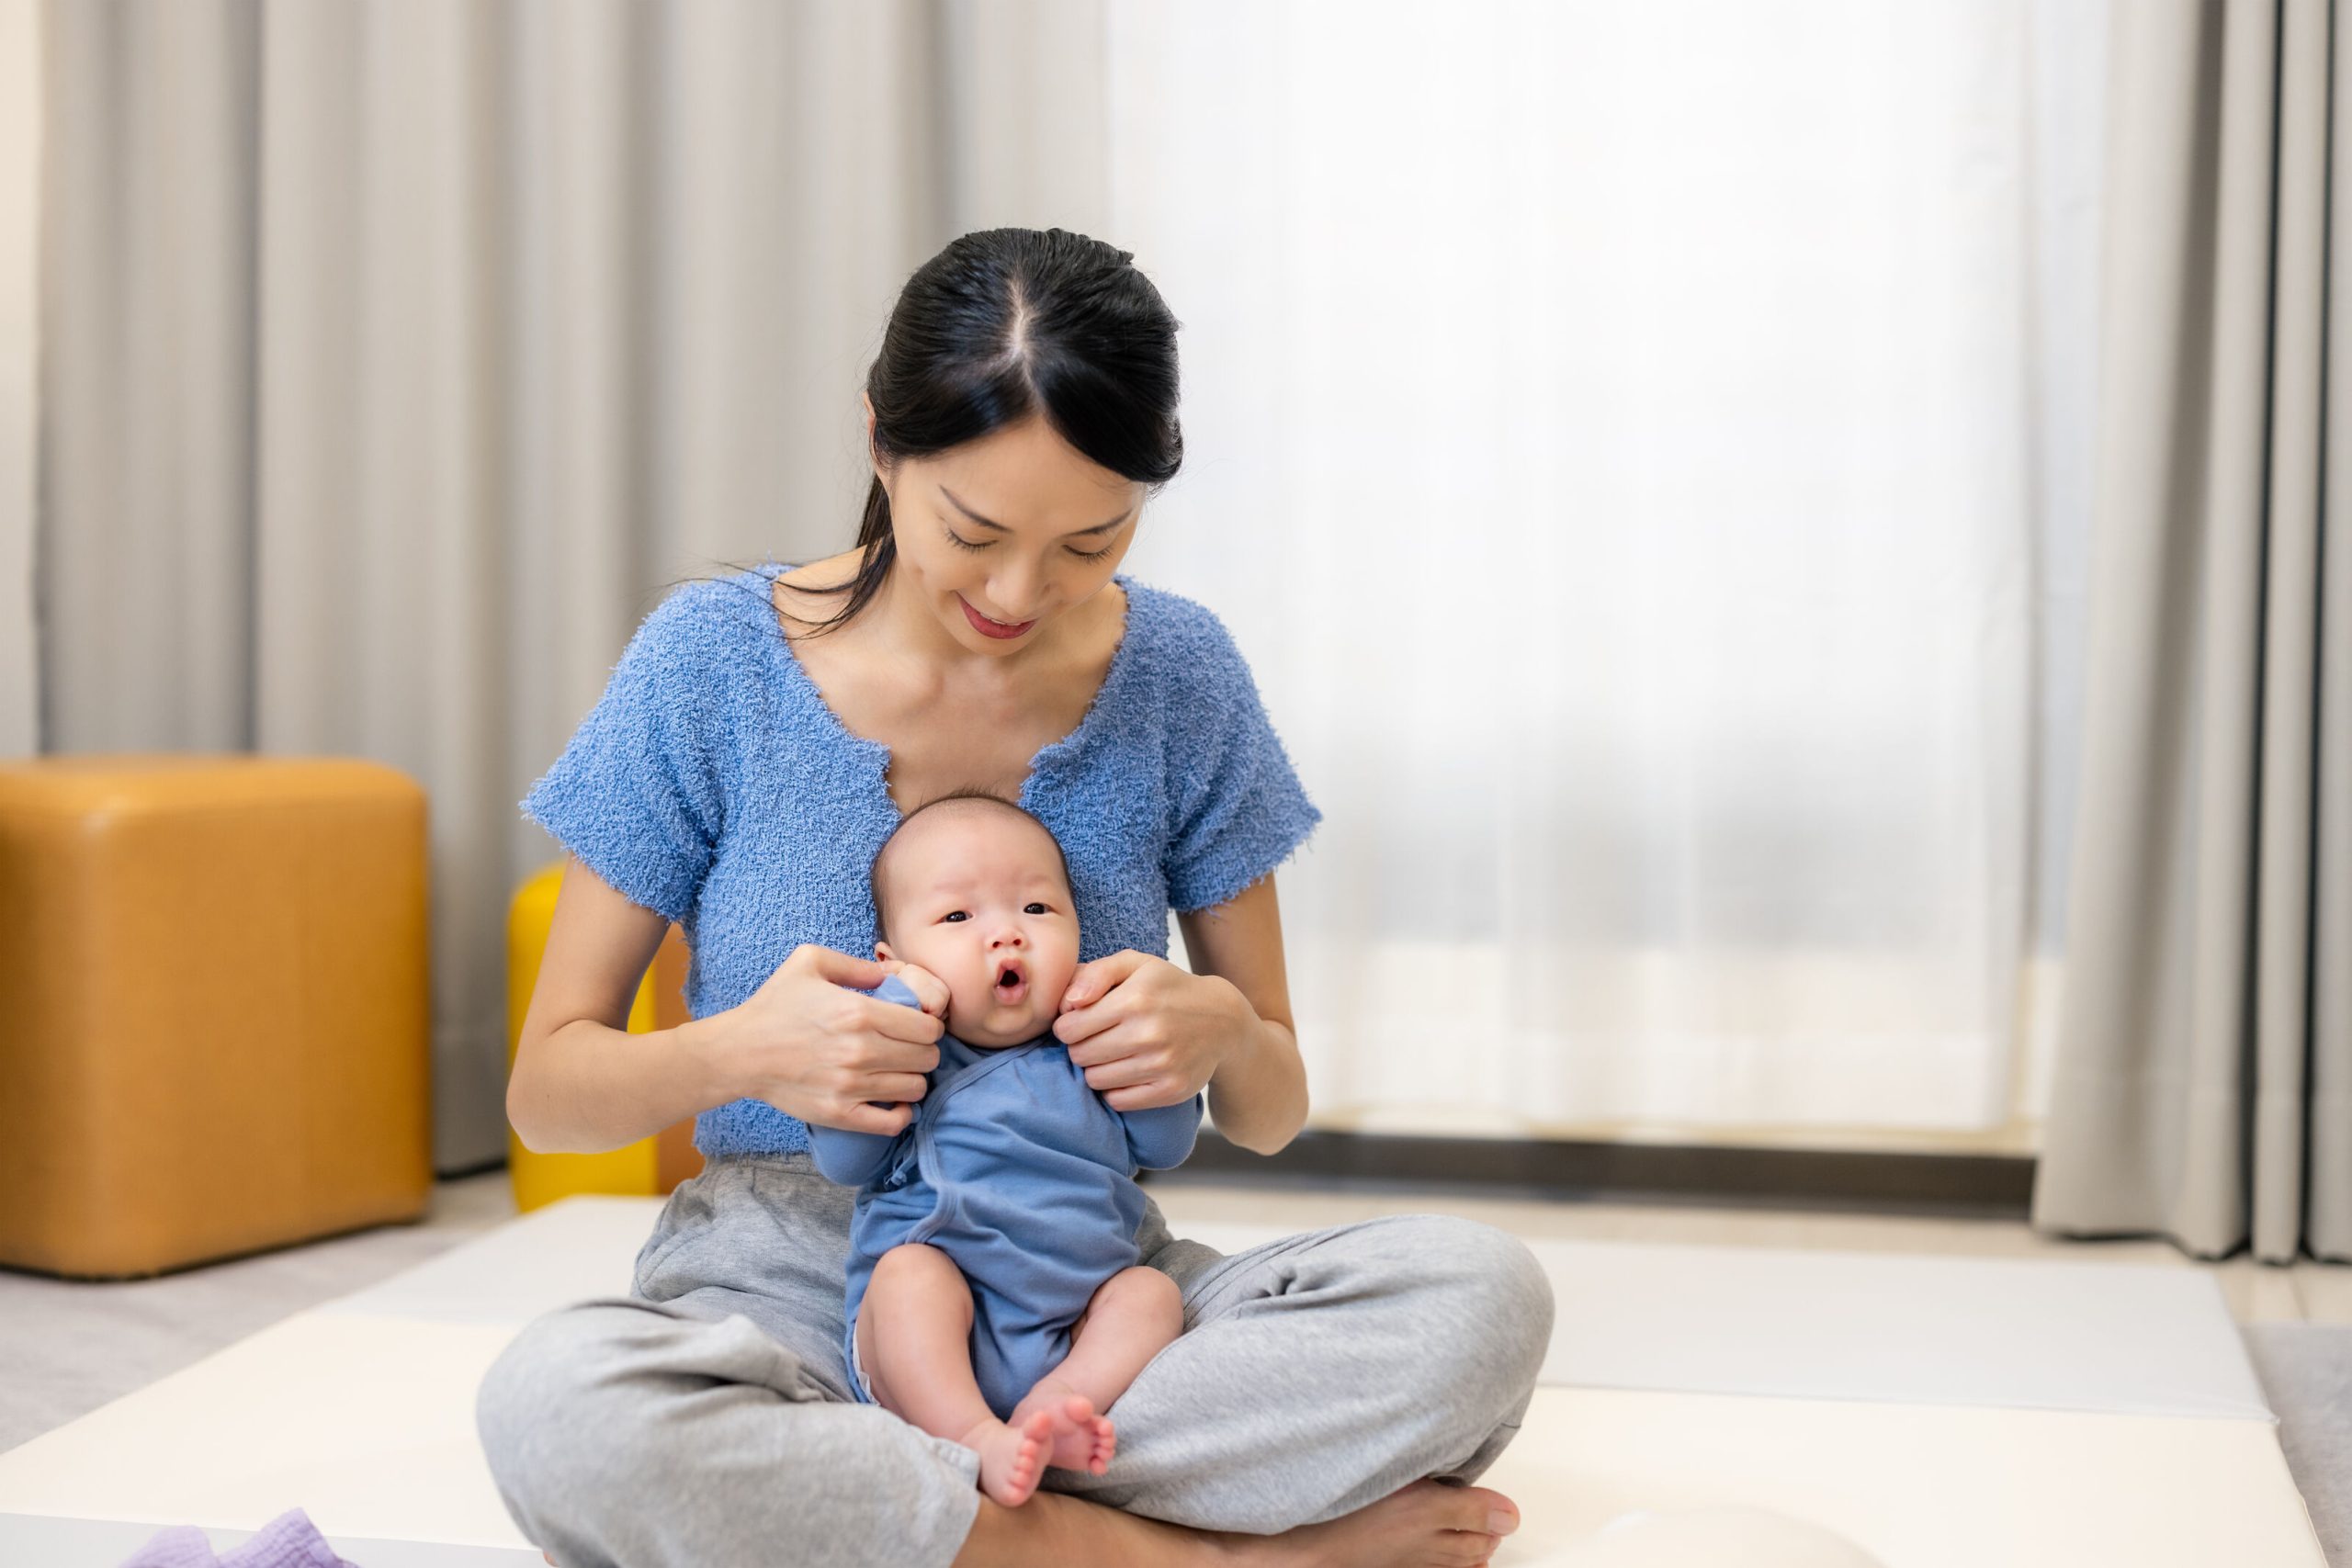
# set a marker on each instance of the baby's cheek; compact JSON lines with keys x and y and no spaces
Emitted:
{"x":969,"y":997}
{"x":1054,"y":978}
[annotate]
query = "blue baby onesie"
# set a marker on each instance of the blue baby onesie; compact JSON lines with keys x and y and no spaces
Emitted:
{"x":1019,"y":1171}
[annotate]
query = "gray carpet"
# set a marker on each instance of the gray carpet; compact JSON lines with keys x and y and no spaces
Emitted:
{"x":2306,"y":1372}
{"x":67,"y":1346}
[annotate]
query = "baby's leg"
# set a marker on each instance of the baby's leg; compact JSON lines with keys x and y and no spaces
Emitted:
{"x":914,"y":1337}
{"x":1133,"y":1316}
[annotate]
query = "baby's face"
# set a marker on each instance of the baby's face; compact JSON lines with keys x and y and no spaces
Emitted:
{"x":976,"y":896}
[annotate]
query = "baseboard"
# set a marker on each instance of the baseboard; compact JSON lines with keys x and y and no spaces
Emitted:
{"x":1974,"y":1186}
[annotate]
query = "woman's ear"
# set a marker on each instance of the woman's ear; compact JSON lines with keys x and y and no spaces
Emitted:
{"x":872,"y":460}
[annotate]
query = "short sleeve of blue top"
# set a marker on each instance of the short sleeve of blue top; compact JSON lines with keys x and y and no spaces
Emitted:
{"x":1023,"y":1175}
{"x":711,"y":784}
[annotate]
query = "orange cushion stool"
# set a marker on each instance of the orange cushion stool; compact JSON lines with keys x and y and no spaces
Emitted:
{"x":214,"y":1007}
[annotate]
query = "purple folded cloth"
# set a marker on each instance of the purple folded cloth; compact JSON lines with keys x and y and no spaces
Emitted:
{"x":289,"y":1540}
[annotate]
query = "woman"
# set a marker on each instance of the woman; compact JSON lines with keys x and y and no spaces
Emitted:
{"x":760,"y":737}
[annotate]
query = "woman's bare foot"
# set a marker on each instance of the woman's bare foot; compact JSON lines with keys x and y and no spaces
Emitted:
{"x":1012,"y":1457}
{"x":1082,"y":1440}
{"x":1425,"y":1525}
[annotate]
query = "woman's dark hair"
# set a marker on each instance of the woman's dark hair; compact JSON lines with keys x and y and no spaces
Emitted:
{"x":1008,"y":323}
{"x":969,"y":792}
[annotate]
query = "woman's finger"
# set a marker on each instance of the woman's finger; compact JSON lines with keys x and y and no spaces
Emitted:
{"x":1086,"y":1022}
{"x":1101,"y":976}
{"x":1123,"y":1073}
{"x":897,"y":1056}
{"x":842,"y":968}
{"x":1074,"y":1029}
{"x":1149,"y":1095}
{"x":897,"y":1022}
{"x":888,"y":1120}
{"x":895,"y":1088}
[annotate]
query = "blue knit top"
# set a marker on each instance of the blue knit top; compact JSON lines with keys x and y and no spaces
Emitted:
{"x":712,"y":785}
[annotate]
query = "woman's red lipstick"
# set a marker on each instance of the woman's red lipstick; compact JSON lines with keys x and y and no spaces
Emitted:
{"x":987,"y":627}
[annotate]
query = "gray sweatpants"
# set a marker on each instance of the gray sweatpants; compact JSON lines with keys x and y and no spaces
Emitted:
{"x":707,"y":1420}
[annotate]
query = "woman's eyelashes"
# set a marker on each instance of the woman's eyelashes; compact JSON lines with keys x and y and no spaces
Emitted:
{"x":962,"y":543}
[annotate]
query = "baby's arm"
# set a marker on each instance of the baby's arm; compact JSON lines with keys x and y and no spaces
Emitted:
{"x":851,"y":1158}
{"x":854,"y":1159}
{"x":1161,"y":1138}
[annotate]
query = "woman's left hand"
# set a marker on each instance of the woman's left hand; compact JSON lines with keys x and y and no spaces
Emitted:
{"x":1147,"y":1032}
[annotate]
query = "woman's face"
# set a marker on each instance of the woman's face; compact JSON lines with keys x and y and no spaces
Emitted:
{"x":998,"y":536}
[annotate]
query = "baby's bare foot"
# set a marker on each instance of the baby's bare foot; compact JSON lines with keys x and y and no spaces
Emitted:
{"x":1082,"y":1440}
{"x":1012,"y":1457}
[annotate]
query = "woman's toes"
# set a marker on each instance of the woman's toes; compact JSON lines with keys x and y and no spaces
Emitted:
{"x":1480,"y":1512}
{"x":1473,"y":1549}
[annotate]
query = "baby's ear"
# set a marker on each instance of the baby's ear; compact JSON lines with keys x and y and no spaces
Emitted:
{"x":882,"y":953}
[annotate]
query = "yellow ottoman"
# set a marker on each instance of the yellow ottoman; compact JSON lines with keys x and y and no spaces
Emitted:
{"x":214,"y":1010}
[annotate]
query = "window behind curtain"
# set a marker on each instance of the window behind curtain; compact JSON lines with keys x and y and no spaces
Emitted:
{"x":1643,"y":451}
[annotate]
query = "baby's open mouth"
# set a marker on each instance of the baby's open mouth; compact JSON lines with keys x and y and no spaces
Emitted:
{"x":1011,"y":984}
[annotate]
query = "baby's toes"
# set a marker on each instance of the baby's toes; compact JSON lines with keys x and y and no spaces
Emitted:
{"x":1029,"y":1459}
{"x":1106,"y":1445}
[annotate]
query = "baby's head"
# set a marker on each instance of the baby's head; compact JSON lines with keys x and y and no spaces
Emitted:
{"x":975,"y":890}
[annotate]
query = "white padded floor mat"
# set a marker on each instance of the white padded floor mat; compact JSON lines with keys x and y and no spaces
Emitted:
{"x":1939,"y":1411}
{"x":1891,"y":1328}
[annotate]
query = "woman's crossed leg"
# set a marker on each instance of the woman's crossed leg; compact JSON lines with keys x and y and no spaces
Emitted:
{"x":1319,"y":1380}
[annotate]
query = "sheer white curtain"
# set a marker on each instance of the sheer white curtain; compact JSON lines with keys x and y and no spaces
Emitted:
{"x":1619,"y":438}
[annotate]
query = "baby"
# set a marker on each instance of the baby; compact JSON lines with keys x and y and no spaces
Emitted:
{"x":996,"y":1295}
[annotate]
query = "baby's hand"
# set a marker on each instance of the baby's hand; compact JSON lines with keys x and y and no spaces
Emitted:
{"x":927,"y":987}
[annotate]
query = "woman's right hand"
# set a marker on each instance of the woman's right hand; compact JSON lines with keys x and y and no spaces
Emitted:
{"x":823,"y":1054}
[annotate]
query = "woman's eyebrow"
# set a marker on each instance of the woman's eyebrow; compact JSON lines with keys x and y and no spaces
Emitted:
{"x":1001,"y":528}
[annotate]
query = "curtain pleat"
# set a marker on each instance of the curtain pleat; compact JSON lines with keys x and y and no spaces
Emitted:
{"x":2203,"y":1043}
{"x":146,"y":377}
{"x":2328,"y":1225}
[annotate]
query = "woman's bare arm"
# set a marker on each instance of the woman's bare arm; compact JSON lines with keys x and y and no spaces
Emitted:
{"x":1258,"y":1096}
{"x":581,"y":1083}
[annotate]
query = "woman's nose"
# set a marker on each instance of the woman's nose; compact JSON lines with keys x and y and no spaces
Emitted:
{"x":1015,"y":592}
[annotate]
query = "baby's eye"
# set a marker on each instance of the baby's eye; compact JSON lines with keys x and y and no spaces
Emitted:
{"x":1035,"y":908}
{"x":955,"y":915}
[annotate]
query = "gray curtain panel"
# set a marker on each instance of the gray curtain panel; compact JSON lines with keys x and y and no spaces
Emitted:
{"x":2203,"y":1089}
{"x":398,"y":354}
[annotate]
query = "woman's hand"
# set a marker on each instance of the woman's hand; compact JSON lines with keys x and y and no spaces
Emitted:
{"x":1147,"y":1032}
{"x":816,"y":1051}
